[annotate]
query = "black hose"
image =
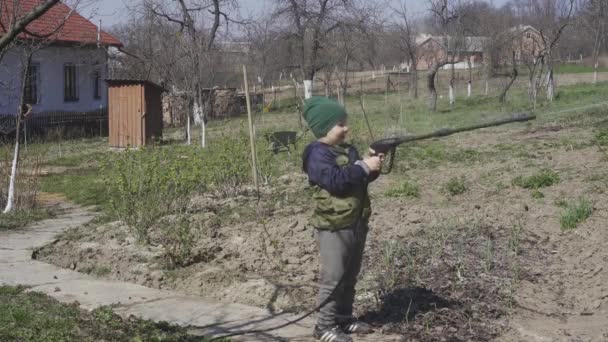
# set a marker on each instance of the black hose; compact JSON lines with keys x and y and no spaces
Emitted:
{"x":317,"y":308}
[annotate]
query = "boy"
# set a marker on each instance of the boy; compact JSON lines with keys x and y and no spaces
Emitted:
{"x":341,"y":213}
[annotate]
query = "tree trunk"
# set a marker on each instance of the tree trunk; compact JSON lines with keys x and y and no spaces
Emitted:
{"x":430,"y":83}
{"x":452,"y":83}
{"x":503,"y":94}
{"x":20,"y":116}
{"x":451,"y":93}
{"x":11,"y":187}
{"x":595,"y":73}
{"x":188,"y":134}
{"x":469,"y":88}
{"x":550,"y":86}
{"x":414,"y":87}
{"x":487,"y":91}
{"x":308,"y":89}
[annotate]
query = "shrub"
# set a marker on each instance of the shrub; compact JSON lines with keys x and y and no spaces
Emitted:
{"x":147,"y":184}
{"x":455,"y":186}
{"x":542,"y":179}
{"x":405,"y":189}
{"x":575,"y":213}
{"x":178,"y":241}
{"x":601,"y":137}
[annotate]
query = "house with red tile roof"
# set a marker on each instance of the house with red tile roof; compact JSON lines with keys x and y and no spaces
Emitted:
{"x":68,"y":66}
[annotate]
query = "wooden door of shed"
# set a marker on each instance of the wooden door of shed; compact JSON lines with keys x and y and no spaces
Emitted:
{"x":125,"y":117}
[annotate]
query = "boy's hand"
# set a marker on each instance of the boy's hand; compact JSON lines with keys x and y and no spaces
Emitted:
{"x":374,"y":163}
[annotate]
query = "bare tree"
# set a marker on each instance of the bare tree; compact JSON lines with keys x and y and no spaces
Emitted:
{"x":553,"y":17}
{"x":405,"y":33}
{"x":594,"y":17}
{"x":310,"y":23}
{"x":445,"y":15}
{"x":197,"y":42}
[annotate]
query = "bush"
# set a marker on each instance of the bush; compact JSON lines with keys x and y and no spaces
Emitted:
{"x":147,"y":184}
{"x":405,"y":189}
{"x":575,"y":213}
{"x":455,"y":186}
{"x":178,"y":241}
{"x":151,"y":188}
{"x":542,"y":179}
{"x":601,"y":137}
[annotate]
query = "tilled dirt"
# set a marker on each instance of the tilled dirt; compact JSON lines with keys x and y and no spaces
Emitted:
{"x":489,"y":264}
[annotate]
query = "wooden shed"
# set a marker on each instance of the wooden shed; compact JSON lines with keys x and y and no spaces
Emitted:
{"x":135,"y":113}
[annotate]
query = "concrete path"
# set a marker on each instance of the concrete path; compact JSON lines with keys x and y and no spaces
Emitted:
{"x":205,"y":317}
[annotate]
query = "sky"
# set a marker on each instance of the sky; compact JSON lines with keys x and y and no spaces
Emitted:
{"x":112,"y":12}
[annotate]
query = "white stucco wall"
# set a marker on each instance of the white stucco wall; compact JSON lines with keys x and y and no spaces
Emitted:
{"x":51,"y":80}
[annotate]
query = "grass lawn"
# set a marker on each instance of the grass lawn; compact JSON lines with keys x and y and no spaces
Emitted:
{"x":576,"y":69}
{"x":388,"y":114}
{"x":33,"y":317}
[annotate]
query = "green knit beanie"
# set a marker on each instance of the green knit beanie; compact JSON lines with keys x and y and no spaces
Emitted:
{"x":322,"y":114}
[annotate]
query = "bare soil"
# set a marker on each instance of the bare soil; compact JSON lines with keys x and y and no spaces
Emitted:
{"x":489,"y":264}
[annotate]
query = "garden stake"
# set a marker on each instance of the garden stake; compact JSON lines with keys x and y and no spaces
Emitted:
{"x":254,"y":167}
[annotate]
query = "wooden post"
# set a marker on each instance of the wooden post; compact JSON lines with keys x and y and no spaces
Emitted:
{"x":254,"y":167}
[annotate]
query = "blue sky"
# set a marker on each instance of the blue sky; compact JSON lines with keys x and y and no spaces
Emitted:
{"x":114,"y":11}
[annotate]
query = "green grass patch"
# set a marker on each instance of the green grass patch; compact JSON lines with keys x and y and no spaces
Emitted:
{"x":21,"y":218}
{"x":542,"y":179}
{"x":78,"y":160}
{"x":82,"y":186}
{"x":455,"y":186}
{"x":36,"y":317}
{"x":575,"y":213}
{"x":601,"y":137}
{"x":576,"y":69}
{"x":97,"y":270}
{"x":405,"y":189}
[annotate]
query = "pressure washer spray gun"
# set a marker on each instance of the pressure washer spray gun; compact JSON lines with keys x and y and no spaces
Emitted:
{"x":388,"y":146}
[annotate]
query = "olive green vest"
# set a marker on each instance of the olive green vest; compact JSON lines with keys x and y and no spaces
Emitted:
{"x":332,"y":212}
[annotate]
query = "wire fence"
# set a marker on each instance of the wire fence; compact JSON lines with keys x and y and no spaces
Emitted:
{"x":57,"y":125}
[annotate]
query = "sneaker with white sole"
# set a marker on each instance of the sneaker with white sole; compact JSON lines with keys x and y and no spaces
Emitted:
{"x":354,"y":326}
{"x":333,"y":334}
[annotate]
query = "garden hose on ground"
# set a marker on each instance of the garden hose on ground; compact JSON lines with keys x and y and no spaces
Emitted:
{"x":307,"y":314}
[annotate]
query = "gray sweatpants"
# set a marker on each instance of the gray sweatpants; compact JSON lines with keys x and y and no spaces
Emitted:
{"x":341,"y":255}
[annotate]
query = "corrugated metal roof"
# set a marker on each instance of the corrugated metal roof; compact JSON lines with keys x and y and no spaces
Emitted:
{"x":122,"y":81}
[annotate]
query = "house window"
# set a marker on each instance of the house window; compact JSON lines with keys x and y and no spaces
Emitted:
{"x":96,"y":85}
{"x":31,"y":84}
{"x":70,"y":87}
{"x":529,"y":35}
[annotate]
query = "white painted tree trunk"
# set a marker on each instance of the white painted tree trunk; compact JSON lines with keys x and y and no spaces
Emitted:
{"x":11,"y":188}
{"x":451,"y":94}
{"x":307,"y":89}
{"x":198,"y":113}
{"x":188,"y":133}
{"x":487,"y":88}
{"x":469,"y":89}
{"x":550,"y":87}
{"x":595,"y":73}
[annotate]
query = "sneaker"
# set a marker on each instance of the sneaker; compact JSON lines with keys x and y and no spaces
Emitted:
{"x":354,"y":326}
{"x":334,"y":334}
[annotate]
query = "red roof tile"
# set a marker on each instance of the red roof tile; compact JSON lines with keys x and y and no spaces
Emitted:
{"x":76,"y":29}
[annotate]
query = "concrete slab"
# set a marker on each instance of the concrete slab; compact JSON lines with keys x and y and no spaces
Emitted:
{"x":27,"y":240}
{"x":92,"y":293}
{"x":35,"y":273}
{"x":213,"y":318}
{"x":11,"y":256}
